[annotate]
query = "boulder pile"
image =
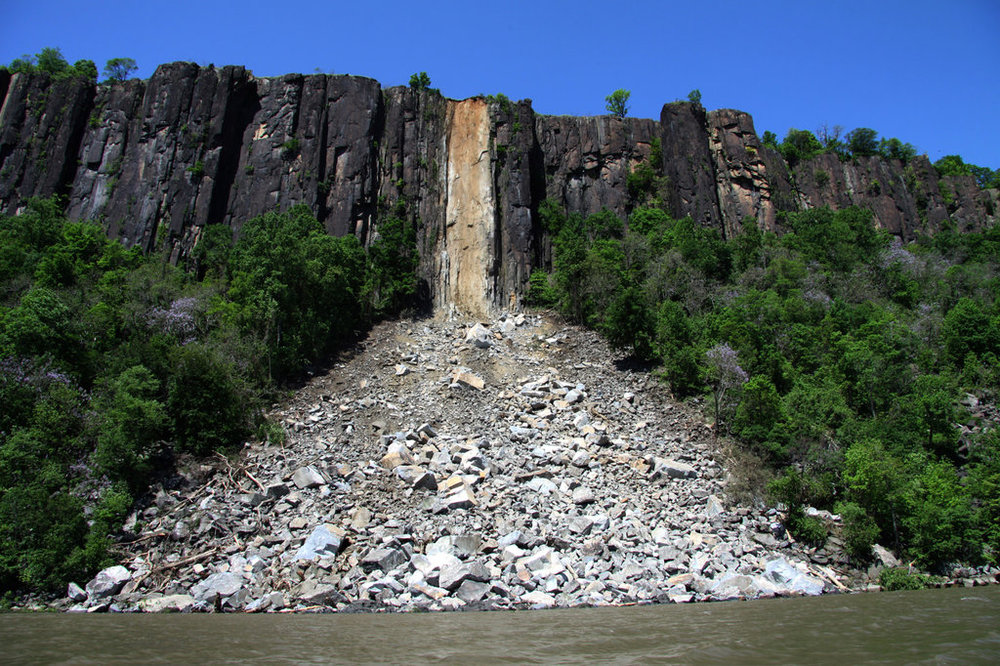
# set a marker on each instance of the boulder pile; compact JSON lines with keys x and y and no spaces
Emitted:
{"x":445,"y":465}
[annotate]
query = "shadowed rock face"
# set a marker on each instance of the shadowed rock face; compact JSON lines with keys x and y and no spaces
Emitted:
{"x":158,"y":160}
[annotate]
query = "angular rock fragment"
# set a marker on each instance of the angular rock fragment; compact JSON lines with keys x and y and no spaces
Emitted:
{"x":319,"y":593}
{"x":75,"y":592}
{"x":416,"y":477}
{"x":673,"y":469}
{"x":480,"y":336}
{"x":394,"y":459}
{"x":171,"y":603}
{"x":468,"y":379}
{"x":790,"y":580}
{"x":307,"y":477}
{"x":108,"y":582}
{"x":217,"y":587}
{"x":325,"y":541}
{"x":582,"y":495}
{"x":384,"y":559}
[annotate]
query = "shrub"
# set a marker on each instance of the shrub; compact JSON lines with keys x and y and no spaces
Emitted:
{"x":290,"y":149}
{"x":210,"y":405}
{"x":901,"y":579}
{"x":540,"y":292}
{"x":859,"y":530}
{"x":133,"y":423}
{"x":197,"y":170}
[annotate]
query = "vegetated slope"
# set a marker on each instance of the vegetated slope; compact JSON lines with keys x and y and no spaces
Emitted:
{"x":862,"y":369}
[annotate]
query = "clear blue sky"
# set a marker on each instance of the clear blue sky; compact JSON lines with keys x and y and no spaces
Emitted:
{"x":926,"y":71}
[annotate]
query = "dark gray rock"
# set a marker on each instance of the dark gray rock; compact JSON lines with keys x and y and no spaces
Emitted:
{"x":385,"y":559}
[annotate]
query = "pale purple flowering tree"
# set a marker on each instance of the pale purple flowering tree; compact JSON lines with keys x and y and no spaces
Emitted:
{"x":177,"y":320}
{"x":725,"y":377}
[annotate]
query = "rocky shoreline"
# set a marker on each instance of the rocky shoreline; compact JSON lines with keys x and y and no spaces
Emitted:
{"x":447,"y":465}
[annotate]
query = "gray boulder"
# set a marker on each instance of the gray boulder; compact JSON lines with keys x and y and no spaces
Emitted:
{"x":323,"y":542}
{"x":385,"y":559}
{"x":75,"y":592}
{"x":171,"y":603}
{"x":789,"y":580}
{"x":307,"y":477}
{"x":218,"y":586}
{"x":319,"y":594}
{"x":108,"y":582}
{"x":480,"y":336}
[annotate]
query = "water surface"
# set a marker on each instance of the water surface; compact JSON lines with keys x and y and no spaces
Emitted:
{"x":957,"y":625}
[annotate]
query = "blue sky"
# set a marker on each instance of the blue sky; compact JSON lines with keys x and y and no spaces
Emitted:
{"x":927,"y":72}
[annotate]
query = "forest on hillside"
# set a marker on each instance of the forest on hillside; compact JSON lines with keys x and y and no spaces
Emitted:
{"x":113,"y":363}
{"x":848,"y":365}
{"x":841,"y":359}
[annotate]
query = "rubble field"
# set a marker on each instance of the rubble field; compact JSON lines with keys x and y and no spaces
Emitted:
{"x":442,"y":465}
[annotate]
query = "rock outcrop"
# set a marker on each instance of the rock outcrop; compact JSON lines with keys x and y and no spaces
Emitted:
{"x":158,"y":160}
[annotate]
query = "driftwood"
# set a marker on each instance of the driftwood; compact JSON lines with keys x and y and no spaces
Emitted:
{"x":187,"y":560}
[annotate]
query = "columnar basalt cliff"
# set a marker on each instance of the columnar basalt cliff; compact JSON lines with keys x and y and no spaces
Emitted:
{"x":158,"y":160}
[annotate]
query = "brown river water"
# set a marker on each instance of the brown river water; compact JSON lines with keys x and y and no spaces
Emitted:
{"x":957,"y":625}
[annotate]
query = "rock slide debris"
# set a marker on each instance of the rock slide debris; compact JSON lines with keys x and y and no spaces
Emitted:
{"x":526,"y":473}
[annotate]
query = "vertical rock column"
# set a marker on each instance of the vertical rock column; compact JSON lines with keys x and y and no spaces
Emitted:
{"x":470,"y":216}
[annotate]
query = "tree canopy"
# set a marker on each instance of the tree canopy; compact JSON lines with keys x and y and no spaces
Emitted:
{"x":119,"y":69}
{"x":617,"y":102}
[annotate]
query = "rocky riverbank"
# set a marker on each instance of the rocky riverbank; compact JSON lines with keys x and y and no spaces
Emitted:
{"x":444,"y":465}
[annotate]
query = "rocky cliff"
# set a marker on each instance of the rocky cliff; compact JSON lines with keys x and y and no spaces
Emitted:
{"x":158,"y":160}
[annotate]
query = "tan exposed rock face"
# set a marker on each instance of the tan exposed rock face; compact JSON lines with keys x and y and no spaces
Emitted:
{"x":470,"y":216}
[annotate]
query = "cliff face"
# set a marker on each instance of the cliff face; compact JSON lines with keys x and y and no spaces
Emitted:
{"x":158,"y":160}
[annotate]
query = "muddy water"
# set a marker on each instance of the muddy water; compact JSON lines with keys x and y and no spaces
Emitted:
{"x":932,"y":626}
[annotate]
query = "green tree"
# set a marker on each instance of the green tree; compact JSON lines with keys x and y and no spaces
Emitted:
{"x":390,"y":276}
{"x":862,"y":141}
{"x":119,"y":69}
{"x":86,"y":70}
{"x":895,"y":149}
{"x":51,"y":61}
{"x":695,"y":97}
{"x":134,"y":421}
{"x":799,"y":145}
{"x":294,"y":287}
{"x":876,"y":481}
{"x":939,"y":519}
{"x":760,"y":410}
{"x":617,"y":102}
{"x":420,"y":81}
{"x":629,"y":323}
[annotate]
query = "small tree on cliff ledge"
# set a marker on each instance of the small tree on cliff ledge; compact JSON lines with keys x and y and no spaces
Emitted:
{"x":420,"y":81}
{"x":119,"y":69}
{"x":617,"y":102}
